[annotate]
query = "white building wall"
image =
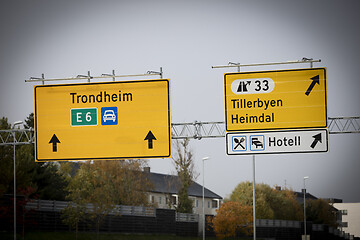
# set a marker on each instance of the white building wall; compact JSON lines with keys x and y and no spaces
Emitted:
{"x":160,"y":200}
{"x":352,"y":217}
{"x":211,"y":205}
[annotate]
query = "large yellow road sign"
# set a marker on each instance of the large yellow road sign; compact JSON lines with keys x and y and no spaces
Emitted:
{"x":109,"y":120}
{"x":286,"y":99}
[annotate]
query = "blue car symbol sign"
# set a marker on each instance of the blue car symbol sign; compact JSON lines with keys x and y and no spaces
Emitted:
{"x":109,"y":116}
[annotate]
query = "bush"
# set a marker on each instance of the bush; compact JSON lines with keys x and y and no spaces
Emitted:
{"x":233,"y":218}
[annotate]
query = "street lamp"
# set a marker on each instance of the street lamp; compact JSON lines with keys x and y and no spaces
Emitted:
{"x":307,"y":177}
{"x":203,"y":197}
{"x":15,"y":123}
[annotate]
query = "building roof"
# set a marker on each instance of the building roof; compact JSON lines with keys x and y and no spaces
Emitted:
{"x":170,"y":184}
{"x":300,"y":196}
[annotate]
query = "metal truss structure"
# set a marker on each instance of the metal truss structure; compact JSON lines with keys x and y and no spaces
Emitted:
{"x":199,"y":130}
{"x":16,"y":136}
{"x":344,"y":125}
{"x":193,"y":130}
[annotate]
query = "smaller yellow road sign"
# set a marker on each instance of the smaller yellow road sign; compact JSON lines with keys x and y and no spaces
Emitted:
{"x":108,"y":120}
{"x":286,"y":99}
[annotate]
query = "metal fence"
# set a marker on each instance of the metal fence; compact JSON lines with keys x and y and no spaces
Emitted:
{"x":187,"y":217}
{"x":46,"y":215}
{"x":277,"y":223}
{"x":58,"y":206}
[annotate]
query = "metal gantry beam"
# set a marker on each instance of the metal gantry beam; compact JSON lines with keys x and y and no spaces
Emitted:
{"x":89,"y":77}
{"x":199,"y":130}
{"x":193,"y":130}
{"x":16,"y":136}
{"x":344,"y":125}
{"x":238,"y":65}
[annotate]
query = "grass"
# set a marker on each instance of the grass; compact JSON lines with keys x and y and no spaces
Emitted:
{"x":93,"y":236}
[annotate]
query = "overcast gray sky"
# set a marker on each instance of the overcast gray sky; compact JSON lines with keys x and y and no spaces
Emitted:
{"x":186,"y":38}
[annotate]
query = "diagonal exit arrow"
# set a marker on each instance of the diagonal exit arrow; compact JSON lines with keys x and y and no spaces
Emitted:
{"x":317,"y":138}
{"x":150,"y":137}
{"x":54,"y":140}
{"x":315,"y":80}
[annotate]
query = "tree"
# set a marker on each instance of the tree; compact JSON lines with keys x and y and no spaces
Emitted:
{"x":78,"y":190}
{"x":104,"y":184}
{"x":6,"y":161}
{"x":243,"y":194}
{"x":184,"y":165}
{"x":285,"y":205}
{"x":29,"y":121}
{"x":24,"y":164}
{"x":43,"y":177}
{"x":270,"y":203}
{"x":233,"y":218}
{"x":320,"y":212}
{"x":73,"y":214}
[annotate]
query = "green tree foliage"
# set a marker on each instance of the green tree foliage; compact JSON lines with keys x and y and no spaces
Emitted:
{"x":78,"y":191}
{"x":42,"y":177}
{"x":184,"y":165}
{"x":104,"y":184}
{"x":285,"y":205}
{"x":270,"y":203}
{"x":29,"y":121}
{"x":320,"y":212}
{"x":233,"y":218}
{"x":6,"y":161}
{"x":73,"y":214}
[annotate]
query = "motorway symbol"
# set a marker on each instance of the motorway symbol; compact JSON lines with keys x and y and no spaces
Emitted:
{"x":315,"y":80}
{"x":150,"y":137}
{"x":54,"y":140}
{"x":243,"y":86}
{"x":317,"y":138}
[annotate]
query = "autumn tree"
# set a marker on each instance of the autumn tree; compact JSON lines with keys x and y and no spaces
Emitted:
{"x":285,"y":205}
{"x":233,"y":218}
{"x":104,"y":184}
{"x":270,"y":203}
{"x":79,"y":190}
{"x":184,"y":165}
{"x":243,"y":194}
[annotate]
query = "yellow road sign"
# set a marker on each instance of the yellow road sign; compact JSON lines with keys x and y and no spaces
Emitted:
{"x":286,"y":99}
{"x":108,"y":120}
